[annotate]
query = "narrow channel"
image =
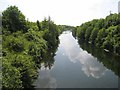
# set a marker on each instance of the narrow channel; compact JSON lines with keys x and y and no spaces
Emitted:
{"x":74,"y":67}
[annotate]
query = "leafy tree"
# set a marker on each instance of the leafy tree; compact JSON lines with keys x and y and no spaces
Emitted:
{"x":50,"y":32}
{"x":13,"y":19}
{"x":88,"y":33}
{"x":101,"y":37}
{"x":93,"y":35}
{"x":108,"y":44}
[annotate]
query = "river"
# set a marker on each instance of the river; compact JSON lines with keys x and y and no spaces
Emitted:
{"x":75,"y":67}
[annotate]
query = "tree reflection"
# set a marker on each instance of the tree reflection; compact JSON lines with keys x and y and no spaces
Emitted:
{"x":48,"y":58}
{"x":45,"y":80}
{"x":109,"y":60}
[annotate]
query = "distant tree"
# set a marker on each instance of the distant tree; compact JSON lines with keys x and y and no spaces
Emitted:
{"x":0,"y":20}
{"x":81,"y":34}
{"x":45,"y":23}
{"x":0,"y":24}
{"x":38,"y":25}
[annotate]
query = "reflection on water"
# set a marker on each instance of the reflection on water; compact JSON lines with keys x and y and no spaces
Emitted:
{"x":90,"y":66}
{"x":45,"y":80}
{"x":109,"y":60}
{"x":74,"y":66}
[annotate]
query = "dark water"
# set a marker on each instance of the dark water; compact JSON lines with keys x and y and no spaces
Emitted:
{"x":78,"y":66}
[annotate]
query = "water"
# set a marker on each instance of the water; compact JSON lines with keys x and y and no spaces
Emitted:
{"x":74,"y":67}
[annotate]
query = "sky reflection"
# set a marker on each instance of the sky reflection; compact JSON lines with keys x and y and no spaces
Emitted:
{"x":90,"y":65}
{"x":45,"y":80}
{"x":74,"y":68}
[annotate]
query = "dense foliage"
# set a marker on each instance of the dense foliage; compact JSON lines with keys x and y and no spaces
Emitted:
{"x":104,"y":33}
{"x":13,"y":19}
{"x":25,"y":45}
{"x":65,"y":28}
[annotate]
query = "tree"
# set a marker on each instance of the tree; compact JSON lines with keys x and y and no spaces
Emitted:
{"x":0,"y":20}
{"x":51,"y":32}
{"x":13,"y":19}
{"x":101,"y":37}
{"x":0,"y":24}
{"x":44,"y":24}
{"x":108,"y":43}
{"x":112,"y":19}
{"x":38,"y":25}
{"x":93,"y":35}
{"x":88,"y":33}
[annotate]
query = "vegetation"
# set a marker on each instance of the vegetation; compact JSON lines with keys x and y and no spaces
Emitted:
{"x":65,"y":28}
{"x":104,"y":33}
{"x":25,"y":45}
{"x":28,"y":44}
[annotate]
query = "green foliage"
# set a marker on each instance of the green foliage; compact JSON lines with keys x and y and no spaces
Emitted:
{"x":45,"y":24}
{"x":108,"y":43}
{"x":14,"y":43}
{"x":104,"y":33}
{"x":81,"y":34}
{"x":101,"y":37}
{"x":26,"y":67}
{"x":38,"y":25}
{"x":112,"y":19}
{"x":65,"y":28}
{"x":93,"y":35}
{"x":74,"y":32}
{"x":23,"y":52}
{"x":21,"y":70}
{"x":88,"y":33}
{"x":51,"y":33}
{"x":11,"y":75}
{"x":13,"y":19}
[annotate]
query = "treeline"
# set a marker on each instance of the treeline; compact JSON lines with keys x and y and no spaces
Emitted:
{"x":24,"y":46}
{"x":65,"y":28}
{"x":103,"y":33}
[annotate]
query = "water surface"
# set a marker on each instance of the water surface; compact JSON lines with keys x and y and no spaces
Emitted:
{"x":74,"y":67}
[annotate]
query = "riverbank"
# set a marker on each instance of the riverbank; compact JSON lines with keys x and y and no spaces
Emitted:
{"x":24,"y":46}
{"x":103,"y":33}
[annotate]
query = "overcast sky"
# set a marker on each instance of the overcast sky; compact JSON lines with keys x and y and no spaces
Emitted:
{"x":66,"y":12}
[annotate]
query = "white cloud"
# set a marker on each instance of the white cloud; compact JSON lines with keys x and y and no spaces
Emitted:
{"x":70,"y":12}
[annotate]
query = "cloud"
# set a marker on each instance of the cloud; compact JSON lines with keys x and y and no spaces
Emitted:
{"x":69,"y":12}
